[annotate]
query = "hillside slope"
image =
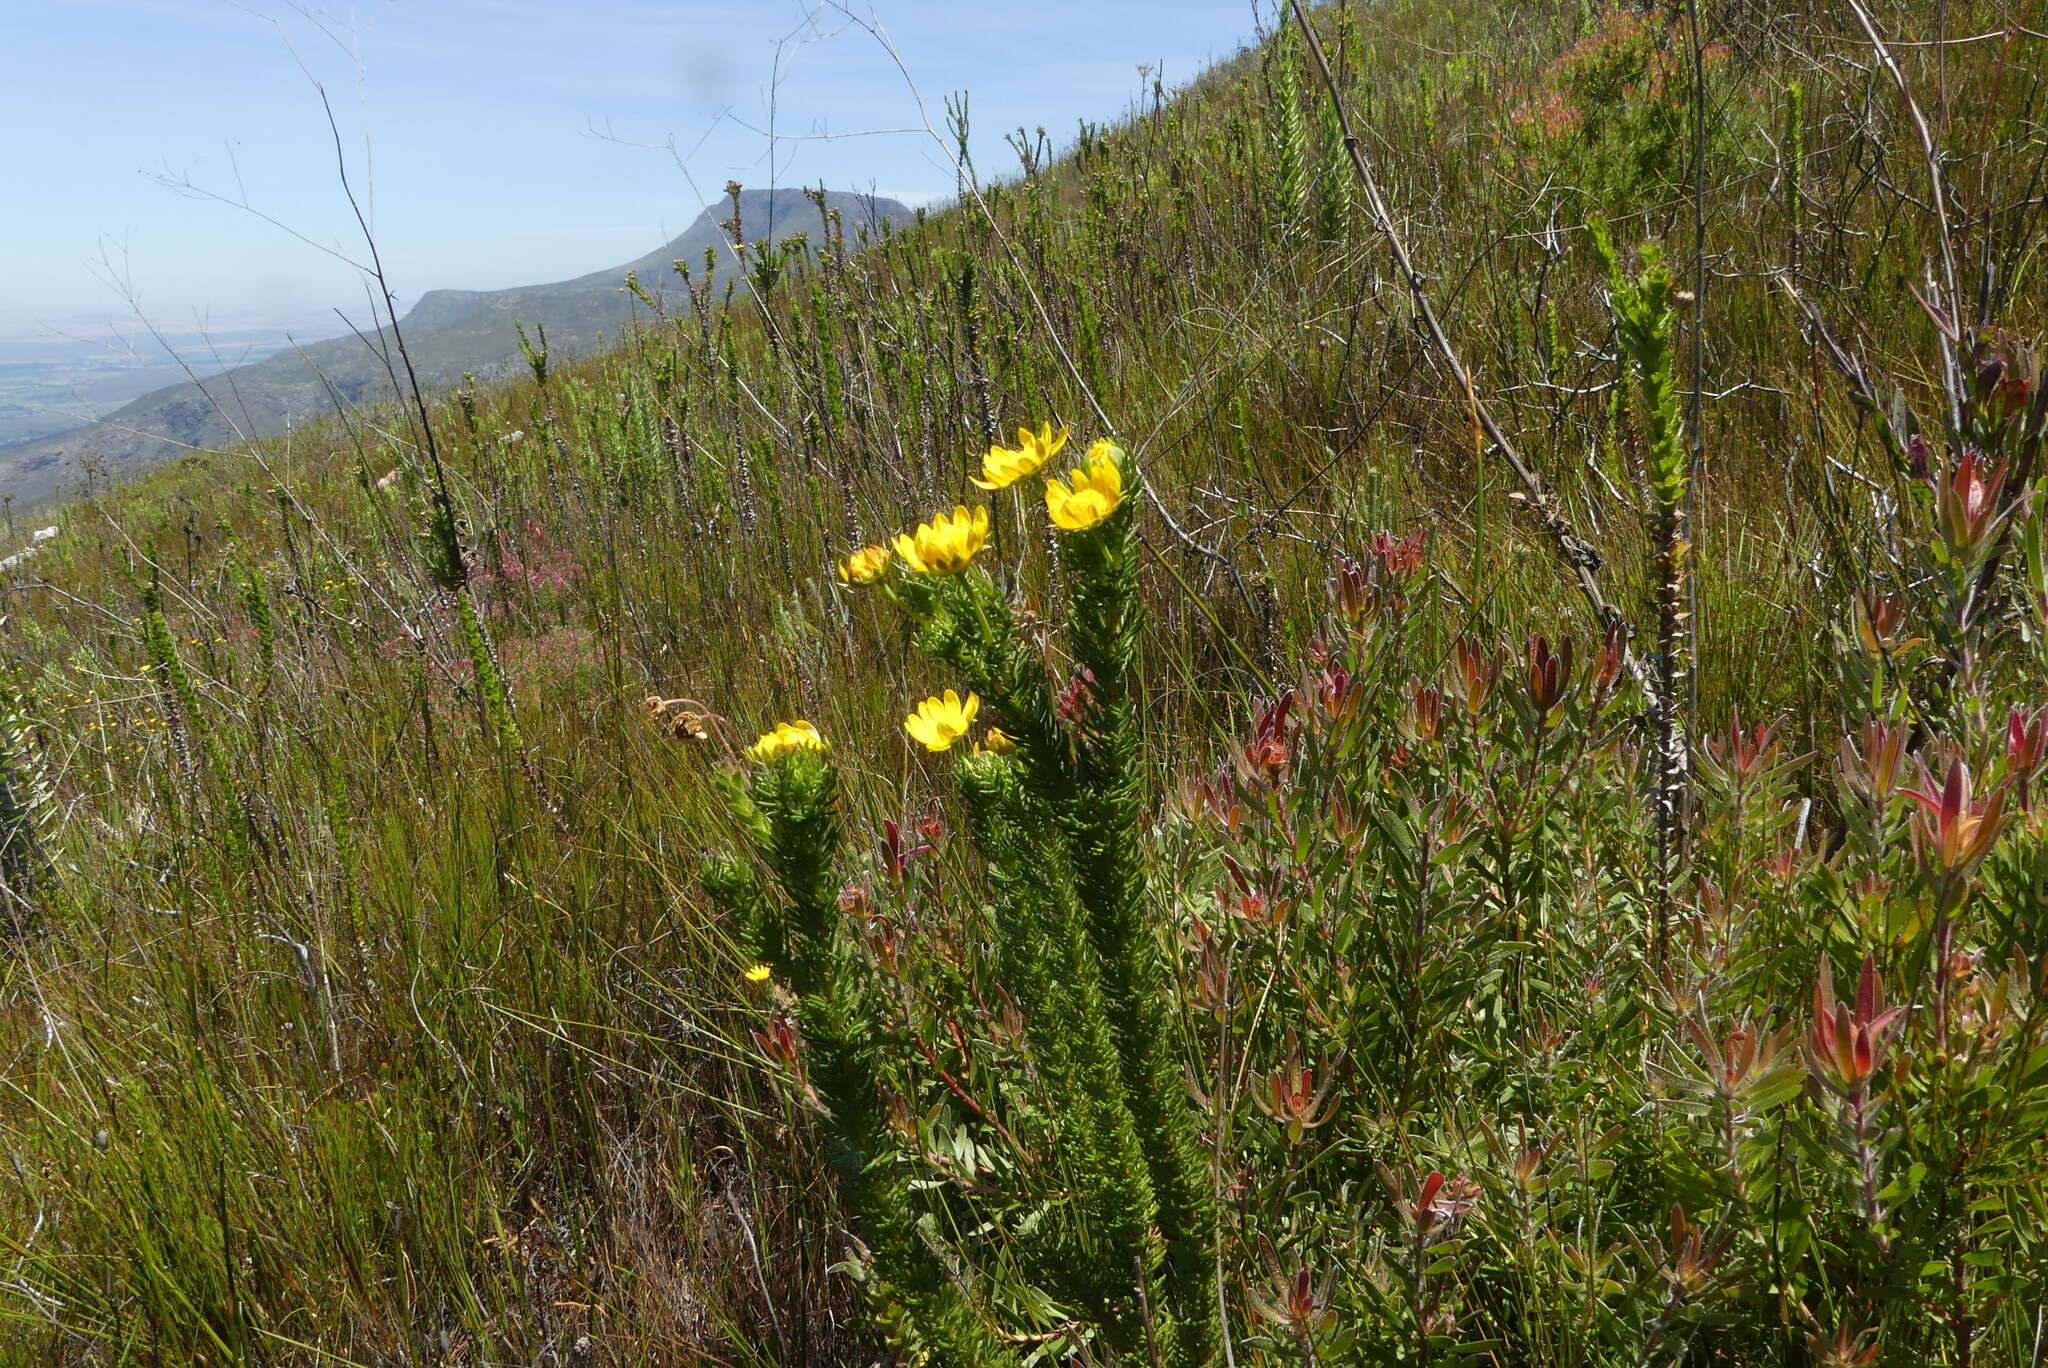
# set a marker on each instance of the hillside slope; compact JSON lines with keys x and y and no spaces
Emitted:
{"x":449,"y":332}
{"x":518,"y":892}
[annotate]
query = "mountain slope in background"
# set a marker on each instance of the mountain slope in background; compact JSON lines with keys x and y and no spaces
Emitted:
{"x":69,"y":373}
{"x":448,"y":332}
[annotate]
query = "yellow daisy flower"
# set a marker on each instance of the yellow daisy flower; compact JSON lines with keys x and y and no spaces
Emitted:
{"x":758,"y":973}
{"x":864,"y":566}
{"x":945,"y":545}
{"x":939,"y":722}
{"x":1091,"y":493}
{"x":787,"y":737}
{"x":1004,"y":466}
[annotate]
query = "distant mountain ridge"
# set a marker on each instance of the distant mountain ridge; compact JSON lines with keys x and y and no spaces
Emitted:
{"x":447,"y":332}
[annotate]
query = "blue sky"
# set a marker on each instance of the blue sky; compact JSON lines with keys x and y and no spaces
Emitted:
{"x":503,"y":141}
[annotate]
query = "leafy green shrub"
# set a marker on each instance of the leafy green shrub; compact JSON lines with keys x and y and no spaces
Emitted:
{"x":1609,"y":116}
{"x":1365,"y":1042}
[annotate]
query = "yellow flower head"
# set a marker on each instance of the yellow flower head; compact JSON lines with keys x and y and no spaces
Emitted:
{"x":947,"y":544}
{"x":939,"y":722}
{"x":996,"y":741}
{"x":864,"y":566}
{"x":787,"y":737}
{"x":1004,"y":466}
{"x":758,"y":973}
{"x":1091,"y":493}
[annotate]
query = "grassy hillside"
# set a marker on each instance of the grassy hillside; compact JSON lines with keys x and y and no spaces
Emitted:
{"x":1416,"y":915}
{"x":451,"y":335}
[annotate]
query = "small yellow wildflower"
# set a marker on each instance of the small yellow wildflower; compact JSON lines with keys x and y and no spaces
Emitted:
{"x":996,"y":741}
{"x":758,"y":973}
{"x":864,"y":566}
{"x":787,"y":737}
{"x":1090,"y":494}
{"x":939,"y":722}
{"x":945,"y":545}
{"x":1004,"y":466}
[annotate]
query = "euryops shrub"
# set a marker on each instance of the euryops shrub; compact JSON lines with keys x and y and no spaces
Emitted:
{"x":1393,"y":1030}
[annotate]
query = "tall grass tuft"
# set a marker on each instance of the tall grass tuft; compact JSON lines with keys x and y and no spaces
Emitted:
{"x":25,"y":805}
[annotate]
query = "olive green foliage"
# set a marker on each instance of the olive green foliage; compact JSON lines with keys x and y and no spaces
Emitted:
{"x":1609,"y":114}
{"x":1646,"y":340}
{"x":415,"y":968}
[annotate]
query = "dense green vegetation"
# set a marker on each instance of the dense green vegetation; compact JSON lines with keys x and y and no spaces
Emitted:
{"x":1517,"y":843}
